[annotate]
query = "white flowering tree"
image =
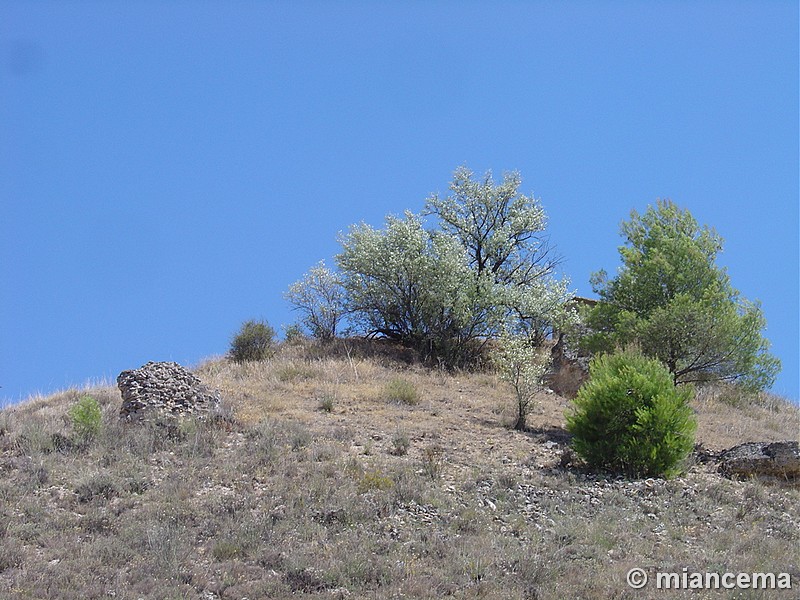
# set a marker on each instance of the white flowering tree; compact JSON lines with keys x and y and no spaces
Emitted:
{"x":523,"y":366}
{"x":448,"y":291}
{"x":320,"y":298}
{"x":503,"y":233}
{"x":413,"y":285}
{"x":501,"y":228}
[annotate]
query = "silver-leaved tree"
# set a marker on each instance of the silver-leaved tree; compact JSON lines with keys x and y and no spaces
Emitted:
{"x":447,"y":291}
{"x":486,"y":269}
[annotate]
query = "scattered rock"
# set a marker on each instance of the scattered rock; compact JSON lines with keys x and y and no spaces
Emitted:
{"x":164,"y":389}
{"x":568,"y":459}
{"x":775,"y":460}
{"x":703,"y":455}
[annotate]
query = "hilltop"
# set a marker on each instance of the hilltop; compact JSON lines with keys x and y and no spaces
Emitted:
{"x":353,"y":471}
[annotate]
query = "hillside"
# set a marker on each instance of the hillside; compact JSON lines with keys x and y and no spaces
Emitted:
{"x":358,"y":473}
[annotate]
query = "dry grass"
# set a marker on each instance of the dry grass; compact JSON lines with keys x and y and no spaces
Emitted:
{"x":375,"y":498}
{"x":729,"y":418}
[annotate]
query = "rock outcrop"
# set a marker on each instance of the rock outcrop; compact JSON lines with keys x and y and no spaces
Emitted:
{"x":770,"y":460}
{"x":164,"y":389}
{"x":568,"y":370}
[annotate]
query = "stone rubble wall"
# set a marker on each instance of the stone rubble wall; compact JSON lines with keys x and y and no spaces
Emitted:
{"x":164,"y":389}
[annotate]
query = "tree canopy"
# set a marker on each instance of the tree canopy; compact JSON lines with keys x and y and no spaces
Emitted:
{"x":486,"y":269}
{"x":320,"y":298}
{"x":501,"y":229}
{"x":671,"y":298}
{"x":407,"y":283}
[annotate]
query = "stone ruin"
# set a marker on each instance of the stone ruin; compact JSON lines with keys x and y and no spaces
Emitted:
{"x":164,"y":389}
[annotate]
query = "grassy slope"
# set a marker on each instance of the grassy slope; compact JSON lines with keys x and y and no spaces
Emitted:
{"x":379,"y":498}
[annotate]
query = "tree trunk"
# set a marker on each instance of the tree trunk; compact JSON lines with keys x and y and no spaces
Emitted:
{"x":520,"y":424}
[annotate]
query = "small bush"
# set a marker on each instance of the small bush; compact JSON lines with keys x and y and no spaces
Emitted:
{"x":292,"y":372}
{"x":630,"y":418}
{"x":326,"y":402}
{"x":97,"y":486}
{"x":523,"y":367}
{"x":374,"y":480}
{"x":400,"y":444}
{"x":432,"y":462}
{"x":293,"y":334}
{"x":403,"y":391}
{"x":253,"y":342}
{"x":86,"y":418}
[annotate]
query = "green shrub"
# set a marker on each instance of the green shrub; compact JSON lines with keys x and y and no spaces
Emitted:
{"x":403,"y":391}
{"x":86,"y":418}
{"x":630,"y":418}
{"x":253,"y":342}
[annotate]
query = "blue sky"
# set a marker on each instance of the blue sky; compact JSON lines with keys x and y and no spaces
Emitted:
{"x":167,"y":169}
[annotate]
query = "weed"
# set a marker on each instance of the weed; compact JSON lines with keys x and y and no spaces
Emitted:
{"x":62,"y":443}
{"x":326,"y":401}
{"x":39,"y":474}
{"x":198,"y":437}
{"x":86,"y":418}
{"x":307,"y":580}
{"x":374,"y":480}
{"x":292,"y":372}
{"x":227,"y":550}
{"x":476,"y":568}
{"x":507,"y":481}
{"x":96,"y":486}
{"x":432,"y":462}
{"x":467,"y":521}
{"x":400,"y":444}
{"x":298,"y":436}
{"x":168,"y":546}
{"x":402,"y":391}
{"x":11,"y":557}
{"x":368,"y":445}
{"x":408,"y":486}
{"x":35,"y":439}
{"x":323,"y":452}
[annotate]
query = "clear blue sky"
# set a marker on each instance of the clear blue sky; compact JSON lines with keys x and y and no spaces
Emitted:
{"x":167,"y":169}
